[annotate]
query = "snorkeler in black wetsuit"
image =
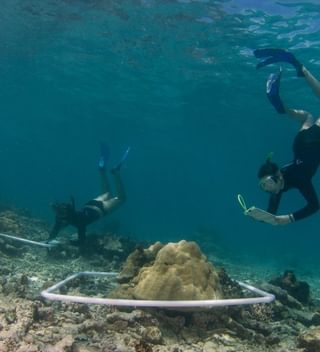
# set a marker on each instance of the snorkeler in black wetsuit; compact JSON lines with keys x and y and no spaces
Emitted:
{"x":66,"y":214}
{"x":306,"y":147}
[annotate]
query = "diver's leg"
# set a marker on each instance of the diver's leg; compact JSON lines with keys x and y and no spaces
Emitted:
{"x":113,"y":203}
{"x":312,"y":81}
{"x":105,"y":185}
{"x":273,"y":94}
{"x":104,"y":156}
{"x":304,"y":117}
{"x":121,"y":194}
{"x":318,"y":121}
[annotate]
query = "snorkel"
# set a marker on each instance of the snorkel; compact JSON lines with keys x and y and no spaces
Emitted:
{"x":269,"y":157}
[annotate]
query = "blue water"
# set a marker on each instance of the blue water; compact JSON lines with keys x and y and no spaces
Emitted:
{"x":176,"y":81}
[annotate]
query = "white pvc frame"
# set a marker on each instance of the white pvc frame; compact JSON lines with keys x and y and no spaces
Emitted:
{"x":265,"y":297}
{"x":24,"y":240}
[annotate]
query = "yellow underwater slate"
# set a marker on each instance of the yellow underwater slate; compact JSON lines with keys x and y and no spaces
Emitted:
{"x":257,"y":213}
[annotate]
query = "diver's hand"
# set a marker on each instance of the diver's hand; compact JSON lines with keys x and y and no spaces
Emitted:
{"x":283,"y":219}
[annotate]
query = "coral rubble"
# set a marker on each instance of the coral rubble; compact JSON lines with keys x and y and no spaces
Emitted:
{"x":28,"y":323}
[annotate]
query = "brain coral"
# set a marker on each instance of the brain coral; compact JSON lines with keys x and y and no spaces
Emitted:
{"x":179,"y":272}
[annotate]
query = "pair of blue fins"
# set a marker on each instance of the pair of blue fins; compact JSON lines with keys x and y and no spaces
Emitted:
{"x":104,"y":156}
{"x":271,"y":56}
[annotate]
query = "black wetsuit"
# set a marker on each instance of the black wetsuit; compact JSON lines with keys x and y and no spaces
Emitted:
{"x":299,"y":173}
{"x":91,"y":212}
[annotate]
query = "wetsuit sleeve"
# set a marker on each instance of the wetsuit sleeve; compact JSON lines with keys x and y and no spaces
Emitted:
{"x":311,"y":197}
{"x":57,"y":227}
{"x":274,"y":202}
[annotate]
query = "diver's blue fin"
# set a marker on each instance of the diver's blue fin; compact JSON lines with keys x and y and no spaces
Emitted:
{"x":273,"y":85}
{"x":273,"y":55}
{"x":266,"y":62}
{"x":265,"y":52}
{"x":104,"y":155}
{"x":122,"y":160}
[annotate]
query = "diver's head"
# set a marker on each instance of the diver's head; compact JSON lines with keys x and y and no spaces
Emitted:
{"x":270,"y":177}
{"x":63,"y":210}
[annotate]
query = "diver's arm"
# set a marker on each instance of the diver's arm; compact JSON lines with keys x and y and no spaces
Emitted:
{"x":312,"y":206}
{"x":304,"y":117}
{"x":274,"y":202}
{"x":311,"y":197}
{"x":57,"y":227}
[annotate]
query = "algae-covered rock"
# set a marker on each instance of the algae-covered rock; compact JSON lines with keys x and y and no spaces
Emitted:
{"x":136,"y":260}
{"x":310,"y":340}
{"x":300,"y":290}
{"x":179,"y":271}
{"x":9,"y":222}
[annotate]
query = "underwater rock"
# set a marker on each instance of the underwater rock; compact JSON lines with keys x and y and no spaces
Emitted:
{"x":152,"y":334}
{"x":136,"y":260}
{"x":18,"y":223}
{"x":142,"y":346}
{"x":9,"y":222}
{"x":230,"y":288}
{"x":27,"y":348}
{"x":310,"y":340}
{"x":300,"y":290}
{"x":15,"y":285}
{"x":304,"y":317}
{"x":9,"y":249}
{"x":282,"y":295}
{"x":176,"y":271}
{"x":111,"y":246}
{"x":43,"y":314}
{"x":30,"y":324}
{"x":65,"y":345}
{"x":315,"y":319}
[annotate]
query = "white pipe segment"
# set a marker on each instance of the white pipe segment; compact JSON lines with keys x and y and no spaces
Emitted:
{"x":24,"y":240}
{"x":265,"y":297}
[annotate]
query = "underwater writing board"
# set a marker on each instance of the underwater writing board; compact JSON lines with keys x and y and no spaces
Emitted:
{"x":261,"y":215}
{"x":257,"y":213}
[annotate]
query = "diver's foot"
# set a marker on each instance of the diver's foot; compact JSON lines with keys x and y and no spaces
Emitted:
{"x":300,"y":69}
{"x":102,"y":163}
{"x":273,"y":55}
{"x":124,"y":157}
{"x":104,"y":155}
{"x":273,"y":85}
